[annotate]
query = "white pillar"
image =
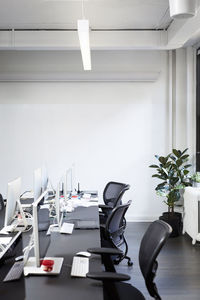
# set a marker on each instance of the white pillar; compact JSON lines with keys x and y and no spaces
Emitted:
{"x":191,"y":103}
{"x":180,"y":100}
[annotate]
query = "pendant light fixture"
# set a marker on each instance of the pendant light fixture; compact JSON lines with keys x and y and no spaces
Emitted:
{"x":84,"y":40}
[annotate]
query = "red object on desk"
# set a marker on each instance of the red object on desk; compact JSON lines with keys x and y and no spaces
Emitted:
{"x":47,"y":265}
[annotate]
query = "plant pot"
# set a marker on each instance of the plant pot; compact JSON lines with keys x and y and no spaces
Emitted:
{"x":175,"y":221}
{"x":182,"y":8}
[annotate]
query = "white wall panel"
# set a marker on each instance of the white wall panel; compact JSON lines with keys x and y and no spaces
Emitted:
{"x":111,"y":131}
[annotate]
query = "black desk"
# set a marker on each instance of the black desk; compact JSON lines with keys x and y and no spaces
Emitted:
{"x":64,"y":286}
{"x":11,"y":290}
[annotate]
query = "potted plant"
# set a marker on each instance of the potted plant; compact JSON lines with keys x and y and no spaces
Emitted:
{"x":196,"y":179}
{"x":172,"y":170}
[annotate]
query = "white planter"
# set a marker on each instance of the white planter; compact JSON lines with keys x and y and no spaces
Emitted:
{"x":191,"y":220}
{"x":196,"y":184}
{"x":182,"y":8}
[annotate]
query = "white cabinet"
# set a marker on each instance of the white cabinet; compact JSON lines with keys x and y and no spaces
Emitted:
{"x":191,"y":219}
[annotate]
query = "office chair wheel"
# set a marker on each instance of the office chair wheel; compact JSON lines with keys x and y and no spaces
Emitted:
{"x":130,"y":263}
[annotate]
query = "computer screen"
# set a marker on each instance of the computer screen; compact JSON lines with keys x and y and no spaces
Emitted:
{"x":44,"y":178}
{"x":41,"y":241}
{"x":41,"y":224}
{"x":66,"y":184}
{"x":58,"y":204}
{"x":10,"y":249}
{"x":37,"y":184}
{"x":69,"y":181}
{"x":13,"y":195}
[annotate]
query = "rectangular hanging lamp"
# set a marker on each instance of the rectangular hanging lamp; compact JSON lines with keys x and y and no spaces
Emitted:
{"x":84,"y":39}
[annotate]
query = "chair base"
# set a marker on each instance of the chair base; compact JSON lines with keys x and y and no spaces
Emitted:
{"x":118,"y":260}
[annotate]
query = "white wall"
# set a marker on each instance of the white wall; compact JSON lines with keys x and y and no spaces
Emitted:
{"x":111,"y":131}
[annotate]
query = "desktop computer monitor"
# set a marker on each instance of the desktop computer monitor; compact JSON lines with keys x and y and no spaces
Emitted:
{"x":13,"y":195}
{"x":45,"y":178}
{"x":40,"y":226}
{"x":69,"y":181}
{"x":9,"y":250}
{"x":66,"y":183}
{"x":37,"y":184}
{"x":58,"y":204}
{"x":13,"y":206}
{"x":63,"y":186}
{"x":41,"y":241}
{"x":46,"y":182}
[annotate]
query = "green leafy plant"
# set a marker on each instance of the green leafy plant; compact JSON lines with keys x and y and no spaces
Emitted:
{"x":196,"y":177}
{"x":173,"y":171}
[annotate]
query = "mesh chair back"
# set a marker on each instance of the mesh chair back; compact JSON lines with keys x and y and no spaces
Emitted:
{"x":115,"y":226}
{"x":151,"y":244}
{"x":113,"y":193}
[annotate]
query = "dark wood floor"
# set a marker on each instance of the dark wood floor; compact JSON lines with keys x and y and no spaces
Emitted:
{"x":178,"y":276}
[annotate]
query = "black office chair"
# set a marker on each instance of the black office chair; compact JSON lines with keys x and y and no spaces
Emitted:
{"x":151,"y":244}
{"x":112,"y":196}
{"x":112,"y":233}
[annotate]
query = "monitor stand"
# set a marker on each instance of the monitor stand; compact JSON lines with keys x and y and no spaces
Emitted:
{"x":30,"y":267}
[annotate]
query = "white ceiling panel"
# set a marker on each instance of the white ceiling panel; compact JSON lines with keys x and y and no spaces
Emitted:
{"x":102,"y":14}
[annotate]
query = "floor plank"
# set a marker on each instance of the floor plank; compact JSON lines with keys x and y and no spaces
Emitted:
{"x":178,"y":276}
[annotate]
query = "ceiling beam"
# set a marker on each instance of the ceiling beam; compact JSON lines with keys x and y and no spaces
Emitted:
{"x":68,"y":40}
{"x":184,"y":31}
{"x":179,"y":33}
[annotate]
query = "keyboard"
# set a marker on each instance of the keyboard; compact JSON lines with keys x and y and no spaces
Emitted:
{"x":80,"y":266}
{"x":15,"y":271}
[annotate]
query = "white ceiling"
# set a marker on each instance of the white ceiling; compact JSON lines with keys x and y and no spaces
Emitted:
{"x":102,"y":14}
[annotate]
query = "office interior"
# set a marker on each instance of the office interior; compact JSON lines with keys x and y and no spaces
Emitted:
{"x":138,"y":100}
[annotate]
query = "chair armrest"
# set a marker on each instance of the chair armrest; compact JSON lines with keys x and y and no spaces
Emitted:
{"x":104,"y":206}
{"x":108,"y":276}
{"x":101,"y":251}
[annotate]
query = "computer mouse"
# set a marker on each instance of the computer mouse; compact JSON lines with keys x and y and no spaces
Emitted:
{"x":83,"y":253}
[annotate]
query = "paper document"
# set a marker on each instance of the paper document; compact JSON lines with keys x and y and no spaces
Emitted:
{"x":95,"y":199}
{"x":3,"y":231}
{"x":67,"y":228}
{"x":86,"y":203}
{"x":26,"y":205}
{"x":44,"y":206}
{"x":86,"y":196}
{"x":5,"y":240}
{"x":7,"y":229}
